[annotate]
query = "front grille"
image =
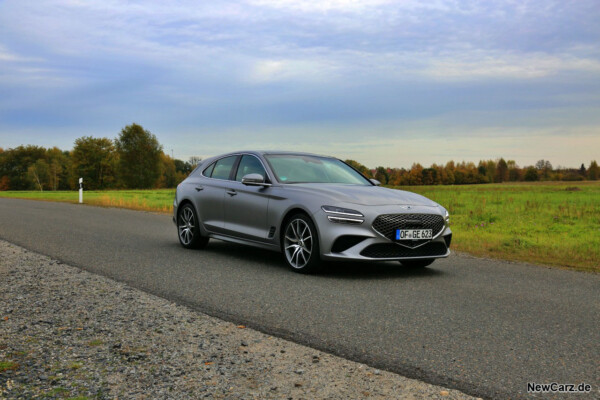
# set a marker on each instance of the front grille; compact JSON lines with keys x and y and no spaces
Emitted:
{"x":392,"y":250}
{"x":387,"y":224}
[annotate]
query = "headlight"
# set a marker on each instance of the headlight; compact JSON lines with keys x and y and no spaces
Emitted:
{"x":343,"y":215}
{"x":447,"y":217}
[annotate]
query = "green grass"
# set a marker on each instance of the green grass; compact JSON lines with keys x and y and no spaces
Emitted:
{"x":8,"y":365}
{"x":56,"y":392}
{"x":554,"y":223}
{"x":547,"y":223}
{"x":75,"y":365}
{"x":149,"y":200}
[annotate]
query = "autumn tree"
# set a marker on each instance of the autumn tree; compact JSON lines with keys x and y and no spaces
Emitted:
{"x":39,"y":174}
{"x":531,"y":174}
{"x":593,"y":172}
{"x":429,"y":176}
{"x":544,"y":168}
{"x":59,"y":163}
{"x":359,"y":167}
{"x":194,"y":161}
{"x":183,"y":167}
{"x":514,"y":174}
{"x":139,"y":157}
{"x":382,"y":175}
{"x":170,"y":177}
{"x":15,"y":163}
{"x":94,"y":160}
{"x":501,"y":171}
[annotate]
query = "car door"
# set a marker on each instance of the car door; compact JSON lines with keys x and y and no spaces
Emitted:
{"x":246,"y":207}
{"x":210,"y":193}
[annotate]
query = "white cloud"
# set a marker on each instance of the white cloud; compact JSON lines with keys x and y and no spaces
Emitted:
{"x":479,"y":64}
{"x":320,"y":5}
{"x":289,"y":70}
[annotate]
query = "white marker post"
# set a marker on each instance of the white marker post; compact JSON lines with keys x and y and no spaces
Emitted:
{"x":80,"y":190}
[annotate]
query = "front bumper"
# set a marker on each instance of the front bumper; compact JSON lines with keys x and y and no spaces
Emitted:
{"x":363,"y":243}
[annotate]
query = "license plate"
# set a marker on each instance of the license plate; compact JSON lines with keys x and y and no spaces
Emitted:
{"x":413,"y":234}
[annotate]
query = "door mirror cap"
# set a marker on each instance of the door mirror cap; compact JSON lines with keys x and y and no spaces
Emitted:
{"x":375,"y":182}
{"x":254,"y":180}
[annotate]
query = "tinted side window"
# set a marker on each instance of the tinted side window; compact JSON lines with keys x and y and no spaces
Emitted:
{"x":223,"y":167}
{"x":249,"y":165}
{"x":208,"y":171}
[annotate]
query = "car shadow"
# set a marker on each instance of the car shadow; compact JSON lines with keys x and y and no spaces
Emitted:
{"x":375,"y":270}
{"x":331,"y":269}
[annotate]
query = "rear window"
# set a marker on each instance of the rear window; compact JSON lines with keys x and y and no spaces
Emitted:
{"x":223,"y":167}
{"x":208,"y":171}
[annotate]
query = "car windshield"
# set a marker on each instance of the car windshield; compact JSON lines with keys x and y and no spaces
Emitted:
{"x":289,"y":168}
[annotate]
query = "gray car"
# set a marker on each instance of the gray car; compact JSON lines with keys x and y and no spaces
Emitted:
{"x":308,"y":207}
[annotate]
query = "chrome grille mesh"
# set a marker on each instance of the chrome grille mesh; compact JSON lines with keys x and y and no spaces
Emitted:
{"x":387,"y":224}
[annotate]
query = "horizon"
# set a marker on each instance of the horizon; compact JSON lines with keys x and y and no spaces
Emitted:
{"x":381,"y":82}
{"x":371,"y":168}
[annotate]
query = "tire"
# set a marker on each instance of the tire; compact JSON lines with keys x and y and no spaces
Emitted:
{"x":417,"y":264}
{"x":188,"y":228}
{"x":300,"y":245}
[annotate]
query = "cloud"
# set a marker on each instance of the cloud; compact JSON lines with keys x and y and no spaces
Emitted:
{"x":478,"y":65}
{"x":339,"y":68}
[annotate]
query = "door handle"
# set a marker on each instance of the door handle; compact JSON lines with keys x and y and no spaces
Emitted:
{"x":199,"y":188}
{"x":231,"y":192}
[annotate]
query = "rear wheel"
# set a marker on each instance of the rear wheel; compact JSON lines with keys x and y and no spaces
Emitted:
{"x":188,"y":228}
{"x":417,"y":263}
{"x":300,"y":244}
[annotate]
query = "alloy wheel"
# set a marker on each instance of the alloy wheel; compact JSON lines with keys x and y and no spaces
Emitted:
{"x":298,"y":243}
{"x":186,"y":226}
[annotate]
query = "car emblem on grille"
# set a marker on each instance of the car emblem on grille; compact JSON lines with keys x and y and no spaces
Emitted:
{"x":405,"y":207}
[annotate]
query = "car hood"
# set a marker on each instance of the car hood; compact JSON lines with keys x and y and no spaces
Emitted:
{"x":364,"y":195}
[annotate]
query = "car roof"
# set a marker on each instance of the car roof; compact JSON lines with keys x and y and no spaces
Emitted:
{"x":270,"y":152}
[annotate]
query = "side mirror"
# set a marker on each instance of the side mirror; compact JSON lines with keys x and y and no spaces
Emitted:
{"x":375,"y":182}
{"x":254,"y":180}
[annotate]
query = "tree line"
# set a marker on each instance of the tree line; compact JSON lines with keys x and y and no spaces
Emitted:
{"x":486,"y":171}
{"x":134,"y":160}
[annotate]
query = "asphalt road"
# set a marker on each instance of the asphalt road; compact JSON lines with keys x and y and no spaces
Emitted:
{"x":482,"y":326}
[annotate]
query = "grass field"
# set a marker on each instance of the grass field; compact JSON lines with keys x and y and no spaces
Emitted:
{"x":147,"y":200}
{"x":554,"y":223}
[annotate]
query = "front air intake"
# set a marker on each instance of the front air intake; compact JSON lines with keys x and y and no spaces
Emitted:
{"x":392,"y":250}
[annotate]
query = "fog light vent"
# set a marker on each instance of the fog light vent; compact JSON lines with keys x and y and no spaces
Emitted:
{"x":343,"y":243}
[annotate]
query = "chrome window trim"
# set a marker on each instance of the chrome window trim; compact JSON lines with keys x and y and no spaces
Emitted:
{"x":236,"y":154}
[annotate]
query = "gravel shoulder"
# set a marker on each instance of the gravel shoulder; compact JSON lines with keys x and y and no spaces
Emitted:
{"x":67,"y":333}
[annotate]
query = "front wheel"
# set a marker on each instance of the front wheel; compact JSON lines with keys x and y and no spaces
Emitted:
{"x":189,"y":229}
{"x":300,"y":245}
{"x":417,"y":263}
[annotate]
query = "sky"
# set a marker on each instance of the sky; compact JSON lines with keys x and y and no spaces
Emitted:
{"x":383,"y":82}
